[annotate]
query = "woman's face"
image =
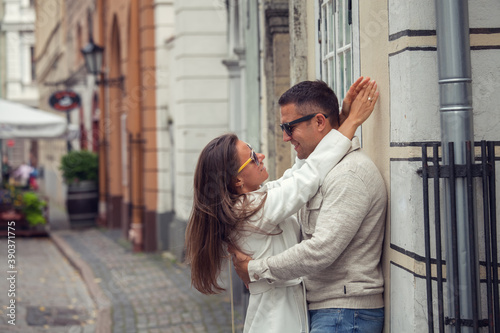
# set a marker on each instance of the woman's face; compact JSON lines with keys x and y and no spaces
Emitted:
{"x":252,"y":175}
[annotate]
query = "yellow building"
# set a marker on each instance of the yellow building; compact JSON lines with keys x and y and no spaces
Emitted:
{"x":118,"y":113}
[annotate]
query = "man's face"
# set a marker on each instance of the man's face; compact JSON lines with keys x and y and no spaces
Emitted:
{"x":305,"y":136}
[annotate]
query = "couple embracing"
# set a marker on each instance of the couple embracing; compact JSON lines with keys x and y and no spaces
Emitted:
{"x":308,"y":245}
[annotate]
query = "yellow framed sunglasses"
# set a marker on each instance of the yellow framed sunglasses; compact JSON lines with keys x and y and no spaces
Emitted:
{"x":253,"y":157}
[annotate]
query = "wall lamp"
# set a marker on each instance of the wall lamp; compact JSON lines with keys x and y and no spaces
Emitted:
{"x":92,"y":53}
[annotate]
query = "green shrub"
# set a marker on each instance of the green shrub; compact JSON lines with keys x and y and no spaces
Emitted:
{"x":33,"y":208}
{"x":79,"y":165}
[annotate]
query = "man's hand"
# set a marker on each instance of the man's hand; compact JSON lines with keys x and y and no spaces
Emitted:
{"x":351,"y":95}
{"x":240,"y":262}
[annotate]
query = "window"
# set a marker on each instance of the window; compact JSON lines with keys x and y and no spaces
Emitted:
{"x":336,"y":44}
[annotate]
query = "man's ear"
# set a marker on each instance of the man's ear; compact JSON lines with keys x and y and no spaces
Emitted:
{"x":321,"y":121}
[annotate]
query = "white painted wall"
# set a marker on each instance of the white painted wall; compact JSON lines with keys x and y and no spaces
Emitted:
{"x":164,"y":21}
{"x":414,"y":117}
{"x":484,"y":13}
{"x":18,"y":25}
{"x":200,"y":89}
{"x":486,"y":92}
{"x":414,"y":97}
{"x":411,"y":14}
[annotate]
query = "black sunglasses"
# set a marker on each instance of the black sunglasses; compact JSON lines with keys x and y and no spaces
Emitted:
{"x":287,"y":127}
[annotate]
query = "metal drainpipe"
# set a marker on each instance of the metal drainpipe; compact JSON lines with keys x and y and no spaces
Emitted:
{"x":455,"y":90}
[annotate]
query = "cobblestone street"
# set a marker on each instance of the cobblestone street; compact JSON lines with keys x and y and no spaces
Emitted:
{"x":104,"y":287}
{"x":50,"y":295}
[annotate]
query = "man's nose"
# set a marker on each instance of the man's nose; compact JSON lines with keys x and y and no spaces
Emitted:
{"x":261,"y":157}
{"x":286,"y":137}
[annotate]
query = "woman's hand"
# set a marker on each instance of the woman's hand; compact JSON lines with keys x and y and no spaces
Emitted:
{"x":351,"y":95}
{"x":363,"y":104}
{"x":361,"y":108}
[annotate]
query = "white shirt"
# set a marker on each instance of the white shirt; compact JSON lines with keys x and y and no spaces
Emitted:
{"x":280,"y":306}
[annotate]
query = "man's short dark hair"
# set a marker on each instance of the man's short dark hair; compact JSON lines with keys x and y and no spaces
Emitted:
{"x":313,"y":97}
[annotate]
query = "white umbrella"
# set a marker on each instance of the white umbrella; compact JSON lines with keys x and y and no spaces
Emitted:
{"x":21,"y":121}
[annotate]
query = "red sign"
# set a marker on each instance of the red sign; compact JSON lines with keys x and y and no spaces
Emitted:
{"x":64,"y":100}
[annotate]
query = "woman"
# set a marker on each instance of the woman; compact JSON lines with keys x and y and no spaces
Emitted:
{"x":231,"y":208}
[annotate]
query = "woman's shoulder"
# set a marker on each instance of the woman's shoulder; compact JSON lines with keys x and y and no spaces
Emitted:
{"x":253,"y":196}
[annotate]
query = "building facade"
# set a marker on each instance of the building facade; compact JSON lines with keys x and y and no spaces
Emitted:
{"x":178,"y":73}
{"x":413,"y":49}
{"x":198,"y":98}
{"x":59,"y":66}
{"x":126,"y":91}
{"x":17,"y":71}
{"x":17,"y":27}
{"x":395,"y":43}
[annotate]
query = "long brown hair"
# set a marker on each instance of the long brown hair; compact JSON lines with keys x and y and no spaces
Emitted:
{"x":216,"y":219}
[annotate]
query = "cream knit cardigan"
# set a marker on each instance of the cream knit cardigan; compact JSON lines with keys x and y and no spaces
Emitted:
{"x":343,"y":230}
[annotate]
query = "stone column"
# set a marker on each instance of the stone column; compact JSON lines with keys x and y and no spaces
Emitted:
{"x":277,"y":72}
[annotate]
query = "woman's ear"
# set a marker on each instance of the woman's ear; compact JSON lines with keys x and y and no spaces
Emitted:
{"x":238,"y":182}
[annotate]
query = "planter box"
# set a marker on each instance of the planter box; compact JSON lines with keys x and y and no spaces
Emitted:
{"x":21,"y":227}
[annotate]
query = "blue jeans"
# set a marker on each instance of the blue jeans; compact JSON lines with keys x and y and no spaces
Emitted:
{"x":347,"y":320}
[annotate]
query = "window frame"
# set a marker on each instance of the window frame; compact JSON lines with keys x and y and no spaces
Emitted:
{"x":331,"y":56}
{"x":355,"y":48}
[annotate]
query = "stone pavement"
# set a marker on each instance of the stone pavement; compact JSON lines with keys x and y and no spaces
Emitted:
{"x":90,"y":281}
{"x":48,"y":292}
{"x":145,"y":292}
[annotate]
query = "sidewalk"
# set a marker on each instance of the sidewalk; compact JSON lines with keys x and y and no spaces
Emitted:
{"x":48,"y":292}
{"x":104,"y":287}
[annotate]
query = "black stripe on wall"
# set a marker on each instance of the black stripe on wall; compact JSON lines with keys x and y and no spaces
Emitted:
{"x":423,"y":277}
{"x":412,"y":272}
{"x":421,"y":259}
{"x":413,"y":144}
{"x":407,"y":159}
{"x":419,"y":159}
{"x":433,"y":48}
{"x":485,"y":47}
{"x":424,"y":33}
{"x":430,"y":143}
{"x":411,"y":254}
{"x":412,"y":33}
{"x":414,"y":48}
{"x":484,"y":31}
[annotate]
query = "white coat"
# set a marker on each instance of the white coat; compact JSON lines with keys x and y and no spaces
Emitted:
{"x":280,"y":307}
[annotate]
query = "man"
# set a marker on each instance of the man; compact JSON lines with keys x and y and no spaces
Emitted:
{"x":342,"y":225}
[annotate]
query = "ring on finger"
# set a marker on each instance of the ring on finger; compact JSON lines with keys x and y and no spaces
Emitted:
{"x":369,"y":99}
